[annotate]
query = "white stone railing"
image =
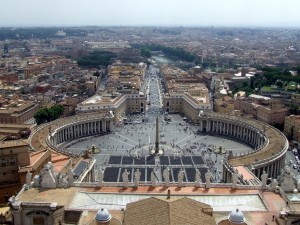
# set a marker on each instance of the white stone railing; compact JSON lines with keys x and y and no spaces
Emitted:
{"x":161,"y":184}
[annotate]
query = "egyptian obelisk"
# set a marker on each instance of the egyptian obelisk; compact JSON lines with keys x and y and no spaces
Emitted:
{"x":157,"y":138}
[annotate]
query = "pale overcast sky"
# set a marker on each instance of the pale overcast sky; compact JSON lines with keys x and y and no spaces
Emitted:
{"x":150,"y":12}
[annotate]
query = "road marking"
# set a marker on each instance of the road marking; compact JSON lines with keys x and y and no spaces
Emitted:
{"x":183,"y":139}
{"x":124,"y":141}
{"x":125,"y":138}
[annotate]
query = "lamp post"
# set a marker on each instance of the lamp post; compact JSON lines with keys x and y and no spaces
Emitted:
{"x":173,"y":143}
{"x":139,"y":143}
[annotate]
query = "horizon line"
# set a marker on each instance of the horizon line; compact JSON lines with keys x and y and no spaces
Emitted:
{"x":149,"y":26}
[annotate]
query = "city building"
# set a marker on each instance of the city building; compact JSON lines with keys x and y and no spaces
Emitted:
{"x":224,"y":105}
{"x":125,"y":77}
{"x":286,"y":97}
{"x":292,"y":127}
{"x":42,"y":87}
{"x":15,"y":131}
{"x":295,"y":99}
{"x":118,"y":104}
{"x":14,"y":154}
{"x":17,"y":111}
{"x":262,"y":108}
{"x":185,"y":103}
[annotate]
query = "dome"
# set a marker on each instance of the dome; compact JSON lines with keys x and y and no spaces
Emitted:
{"x":103,"y":215}
{"x":237,"y":217}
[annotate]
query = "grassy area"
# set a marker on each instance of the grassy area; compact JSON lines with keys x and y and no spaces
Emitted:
{"x":267,"y":88}
{"x":292,"y":86}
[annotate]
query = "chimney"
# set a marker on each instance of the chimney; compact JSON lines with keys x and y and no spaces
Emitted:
{"x":169,"y":194}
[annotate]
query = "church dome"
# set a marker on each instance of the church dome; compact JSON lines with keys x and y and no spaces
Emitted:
{"x":103,"y":215}
{"x":236,"y":217}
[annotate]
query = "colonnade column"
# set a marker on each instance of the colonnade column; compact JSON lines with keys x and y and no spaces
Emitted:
{"x":201,"y":125}
{"x":103,"y":126}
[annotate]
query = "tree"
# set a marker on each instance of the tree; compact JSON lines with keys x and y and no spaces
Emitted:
{"x":174,"y":53}
{"x":146,"y":52}
{"x":41,"y":116}
{"x":279,"y":83}
{"x":45,"y":115}
{"x":252,"y":83}
{"x":96,"y":59}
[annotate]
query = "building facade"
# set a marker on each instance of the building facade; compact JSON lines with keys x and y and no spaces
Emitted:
{"x":262,"y":108}
{"x":292,"y":127}
{"x":119,"y":105}
{"x":18,"y":113}
{"x":14,"y":154}
{"x":186,"y":104}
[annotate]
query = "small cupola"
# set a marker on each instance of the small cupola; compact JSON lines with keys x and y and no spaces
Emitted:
{"x":236,"y":217}
{"x":103,"y":217}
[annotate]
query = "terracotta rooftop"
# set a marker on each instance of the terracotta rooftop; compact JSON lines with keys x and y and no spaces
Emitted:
{"x":34,"y":157}
{"x":152,"y":211}
{"x":59,"y":161}
{"x":243,"y":171}
{"x":36,"y":160}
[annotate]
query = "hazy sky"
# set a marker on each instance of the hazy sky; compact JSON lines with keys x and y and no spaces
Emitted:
{"x":150,"y":12}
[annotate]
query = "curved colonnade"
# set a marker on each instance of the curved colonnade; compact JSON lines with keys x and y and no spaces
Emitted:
{"x":51,"y":135}
{"x":78,"y":129}
{"x":270,"y":145}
